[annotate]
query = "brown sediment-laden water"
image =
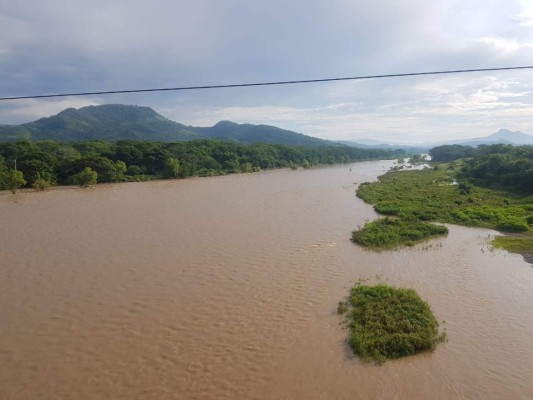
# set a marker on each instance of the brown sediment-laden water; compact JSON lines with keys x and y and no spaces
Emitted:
{"x":227,"y":287}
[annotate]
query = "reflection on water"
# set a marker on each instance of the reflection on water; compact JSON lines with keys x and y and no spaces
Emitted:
{"x":227,"y":287}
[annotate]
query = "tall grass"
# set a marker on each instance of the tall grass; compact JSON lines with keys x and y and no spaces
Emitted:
{"x":386,"y":233}
{"x":387,"y":323}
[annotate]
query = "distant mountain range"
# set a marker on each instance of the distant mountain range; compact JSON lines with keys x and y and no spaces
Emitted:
{"x":115,"y":122}
{"x":503,"y":136}
{"x":376,"y":144}
{"x":124,"y":122}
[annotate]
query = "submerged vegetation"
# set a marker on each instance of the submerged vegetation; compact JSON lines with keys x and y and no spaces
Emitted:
{"x":464,"y":193}
{"x":41,"y":164}
{"x":386,"y":233}
{"x":522,"y":244}
{"x":387,"y":322}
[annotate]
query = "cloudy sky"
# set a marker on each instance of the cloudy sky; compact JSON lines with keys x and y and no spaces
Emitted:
{"x":54,"y":46}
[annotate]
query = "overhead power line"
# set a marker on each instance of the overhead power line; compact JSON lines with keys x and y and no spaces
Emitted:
{"x":237,"y":85}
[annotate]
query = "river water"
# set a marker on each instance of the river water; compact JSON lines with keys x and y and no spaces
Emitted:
{"x":226,"y":288}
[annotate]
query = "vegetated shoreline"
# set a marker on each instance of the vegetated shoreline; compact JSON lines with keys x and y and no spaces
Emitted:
{"x":44,"y":164}
{"x":386,"y":322}
{"x":435,"y":195}
{"x":28,"y":190}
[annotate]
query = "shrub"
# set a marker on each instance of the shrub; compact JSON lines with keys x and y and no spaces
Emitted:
{"x":86,"y":178}
{"x":171,"y":168}
{"x":42,"y":181}
{"x":460,"y":216}
{"x":341,"y":307}
{"x":14,"y":180}
{"x":41,"y":184}
{"x":512,"y":224}
{"x":464,"y":188}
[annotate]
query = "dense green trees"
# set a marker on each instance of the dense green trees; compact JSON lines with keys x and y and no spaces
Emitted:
{"x":51,"y":162}
{"x":499,"y":165}
{"x":503,"y":166}
{"x":451,"y":152}
{"x":61,"y":163}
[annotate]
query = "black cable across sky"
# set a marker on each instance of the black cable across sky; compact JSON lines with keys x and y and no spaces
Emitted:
{"x":237,"y":85}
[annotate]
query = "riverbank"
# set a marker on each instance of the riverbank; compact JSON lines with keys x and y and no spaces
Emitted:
{"x":40,"y":164}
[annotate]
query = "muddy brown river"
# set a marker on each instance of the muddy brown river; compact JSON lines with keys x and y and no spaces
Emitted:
{"x":226,"y":288}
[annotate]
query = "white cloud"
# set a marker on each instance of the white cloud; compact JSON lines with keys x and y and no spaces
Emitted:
{"x":525,"y":16}
{"x":506,"y":46}
{"x":32,"y":109}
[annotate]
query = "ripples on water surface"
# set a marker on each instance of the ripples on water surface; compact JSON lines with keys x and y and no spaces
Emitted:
{"x":227,"y":287}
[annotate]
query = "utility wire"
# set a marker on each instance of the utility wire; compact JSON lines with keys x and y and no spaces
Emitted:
{"x":352,"y":78}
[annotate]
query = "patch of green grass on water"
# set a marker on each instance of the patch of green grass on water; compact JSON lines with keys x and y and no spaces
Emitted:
{"x":387,"y":322}
{"x":515,"y":244}
{"x":386,"y":233}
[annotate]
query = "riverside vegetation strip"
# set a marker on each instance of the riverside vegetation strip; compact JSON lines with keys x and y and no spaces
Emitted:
{"x":60,"y":163}
{"x":387,"y":322}
{"x":433,"y":195}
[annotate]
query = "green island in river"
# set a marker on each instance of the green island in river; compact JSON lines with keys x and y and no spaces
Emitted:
{"x":387,"y":322}
{"x":386,"y":233}
{"x":489,"y":190}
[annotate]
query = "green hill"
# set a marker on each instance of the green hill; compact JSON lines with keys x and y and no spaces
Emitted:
{"x":249,"y":133}
{"x":105,"y":122}
{"x":113,"y":122}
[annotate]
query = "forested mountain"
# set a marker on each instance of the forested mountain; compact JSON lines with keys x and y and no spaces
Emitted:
{"x":106,"y":122}
{"x":115,"y":122}
{"x":375,"y":144}
{"x":249,"y":133}
{"x":503,"y":136}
